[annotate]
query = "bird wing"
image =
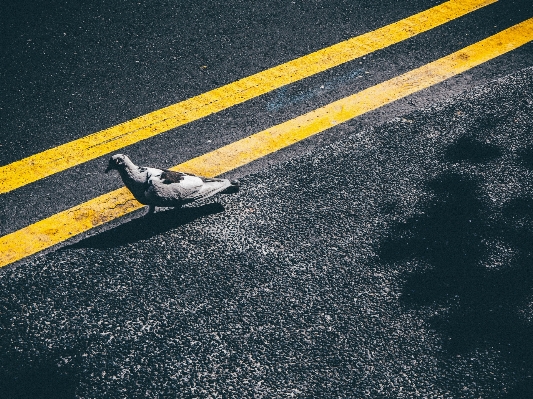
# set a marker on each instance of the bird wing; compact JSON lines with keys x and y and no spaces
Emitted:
{"x":171,"y":187}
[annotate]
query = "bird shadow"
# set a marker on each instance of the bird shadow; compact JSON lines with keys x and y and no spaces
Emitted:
{"x":146,"y":227}
{"x":475,"y":262}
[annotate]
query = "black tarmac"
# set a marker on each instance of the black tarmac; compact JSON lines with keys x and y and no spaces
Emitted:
{"x":388,"y":257}
{"x":394,"y":263}
{"x":72,"y":68}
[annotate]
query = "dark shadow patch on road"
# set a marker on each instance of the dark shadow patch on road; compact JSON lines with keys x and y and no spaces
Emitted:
{"x":147,"y":227}
{"x":444,"y":235}
{"x":484,"y":122}
{"x":468,"y":149}
{"x":526,"y":156}
{"x":22,"y":378}
{"x":475,"y":261}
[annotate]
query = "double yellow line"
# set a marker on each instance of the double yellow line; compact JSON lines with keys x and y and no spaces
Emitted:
{"x":65,"y":156}
{"x":64,"y":225}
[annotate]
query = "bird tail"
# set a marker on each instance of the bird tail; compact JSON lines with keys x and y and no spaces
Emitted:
{"x":233,"y":188}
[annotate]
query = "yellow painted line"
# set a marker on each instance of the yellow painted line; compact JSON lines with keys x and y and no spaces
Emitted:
{"x":81,"y":218}
{"x":54,"y":160}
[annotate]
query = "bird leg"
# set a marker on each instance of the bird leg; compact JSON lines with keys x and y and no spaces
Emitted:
{"x":151,"y":210}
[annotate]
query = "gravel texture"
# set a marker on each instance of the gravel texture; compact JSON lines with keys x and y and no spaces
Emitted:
{"x":395,"y":263}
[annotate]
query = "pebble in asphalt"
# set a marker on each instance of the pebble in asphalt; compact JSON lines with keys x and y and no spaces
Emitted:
{"x":393,"y":263}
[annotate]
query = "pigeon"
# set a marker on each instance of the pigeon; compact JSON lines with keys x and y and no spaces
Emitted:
{"x":166,"y":188}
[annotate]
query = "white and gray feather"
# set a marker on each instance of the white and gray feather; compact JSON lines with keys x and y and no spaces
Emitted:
{"x":161,"y":187}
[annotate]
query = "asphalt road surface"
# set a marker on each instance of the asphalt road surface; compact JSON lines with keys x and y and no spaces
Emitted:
{"x":67,"y":73}
{"x":393,"y":263}
{"x":387,"y":257}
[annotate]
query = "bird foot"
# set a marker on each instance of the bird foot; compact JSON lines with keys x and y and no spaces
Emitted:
{"x":151,"y":211}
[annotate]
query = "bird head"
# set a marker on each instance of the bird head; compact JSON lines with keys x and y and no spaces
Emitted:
{"x":116,"y":162}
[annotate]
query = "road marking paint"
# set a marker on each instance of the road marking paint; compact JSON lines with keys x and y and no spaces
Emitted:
{"x":57,"y":159}
{"x":81,"y":218}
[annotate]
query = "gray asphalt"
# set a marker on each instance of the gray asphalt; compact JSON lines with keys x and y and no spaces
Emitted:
{"x":69,"y":69}
{"x":393,"y":263}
